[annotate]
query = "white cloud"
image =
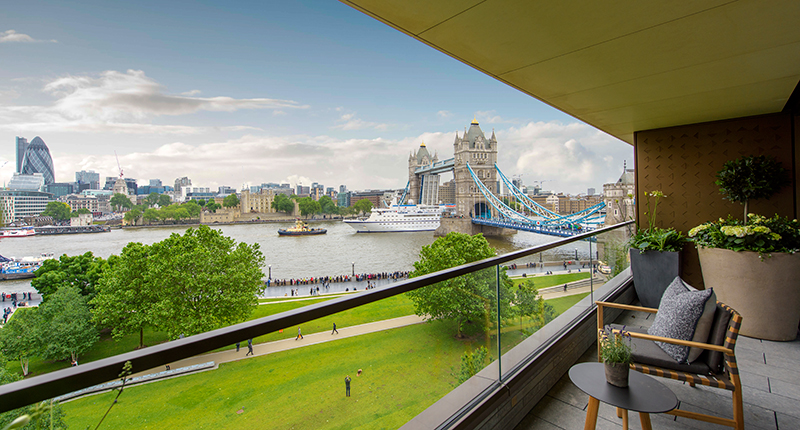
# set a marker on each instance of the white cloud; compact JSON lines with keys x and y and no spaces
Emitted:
{"x":444,"y":114}
{"x":191,"y":93}
{"x":350,"y":122}
{"x":115,"y":95}
{"x":10,"y":36}
{"x":489,"y":117}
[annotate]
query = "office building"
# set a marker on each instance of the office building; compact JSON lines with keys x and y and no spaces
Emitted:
{"x":182,"y":182}
{"x":20,"y":181}
{"x":22,"y":145}
{"x":58,"y":189}
{"x":18,"y":204}
{"x":37,"y":159}
{"x":89,"y":177}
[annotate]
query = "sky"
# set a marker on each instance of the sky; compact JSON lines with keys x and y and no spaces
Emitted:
{"x":242,"y":93}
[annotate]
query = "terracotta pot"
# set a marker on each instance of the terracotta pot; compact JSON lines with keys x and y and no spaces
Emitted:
{"x":653,"y":271}
{"x":766,"y":293}
{"x":617,"y":374}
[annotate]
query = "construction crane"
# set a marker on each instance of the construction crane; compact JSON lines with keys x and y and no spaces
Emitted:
{"x":118,"y":166}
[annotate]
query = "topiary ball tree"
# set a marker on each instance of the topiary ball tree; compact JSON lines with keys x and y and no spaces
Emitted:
{"x":753,"y":177}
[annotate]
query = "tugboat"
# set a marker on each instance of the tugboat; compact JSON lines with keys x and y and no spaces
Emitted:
{"x":301,"y":229}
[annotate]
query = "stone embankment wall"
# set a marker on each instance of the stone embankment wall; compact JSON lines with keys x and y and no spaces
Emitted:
{"x":465,"y":225}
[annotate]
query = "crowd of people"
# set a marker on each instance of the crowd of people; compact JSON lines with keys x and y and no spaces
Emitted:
{"x":325,"y":280}
{"x":15,"y":300}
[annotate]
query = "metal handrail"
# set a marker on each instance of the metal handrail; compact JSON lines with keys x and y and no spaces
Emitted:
{"x":43,"y":387}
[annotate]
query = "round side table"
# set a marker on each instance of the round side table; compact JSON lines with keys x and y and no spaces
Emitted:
{"x":644,"y":394}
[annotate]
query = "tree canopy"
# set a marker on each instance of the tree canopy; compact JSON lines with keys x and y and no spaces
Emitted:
{"x":119,"y":201}
{"x":230,"y":201}
{"x":281,"y":203}
{"x":328,"y":205}
{"x":151,"y":199}
{"x":58,"y":210}
{"x":212,"y":206}
{"x":17,"y":338}
{"x":308,"y":206}
{"x":164,"y":201}
{"x":205,"y":280}
{"x":363,"y":206}
{"x":65,"y":325}
{"x":82,"y":271}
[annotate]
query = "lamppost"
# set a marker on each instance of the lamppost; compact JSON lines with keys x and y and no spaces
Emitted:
{"x":354,"y":268}
{"x":270,"y":272}
{"x":576,"y":255}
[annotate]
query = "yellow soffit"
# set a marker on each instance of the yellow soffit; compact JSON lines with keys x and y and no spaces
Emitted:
{"x":621,"y":66}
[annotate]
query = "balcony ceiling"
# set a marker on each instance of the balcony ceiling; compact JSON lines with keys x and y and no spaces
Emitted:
{"x":621,"y":66}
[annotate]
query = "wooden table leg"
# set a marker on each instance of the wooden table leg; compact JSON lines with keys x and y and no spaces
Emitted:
{"x":624,"y":419}
{"x":591,"y":414}
{"x":645,"y":421}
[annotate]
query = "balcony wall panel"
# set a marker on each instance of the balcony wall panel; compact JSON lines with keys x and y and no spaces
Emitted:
{"x":683,"y":161}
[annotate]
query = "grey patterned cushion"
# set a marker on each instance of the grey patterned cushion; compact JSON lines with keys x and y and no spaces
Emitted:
{"x":678,"y":316}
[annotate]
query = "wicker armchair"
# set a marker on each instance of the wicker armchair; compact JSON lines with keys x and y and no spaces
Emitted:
{"x":715,"y":367}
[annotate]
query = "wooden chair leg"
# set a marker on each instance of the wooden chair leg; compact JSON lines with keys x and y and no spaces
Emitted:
{"x":624,"y":419}
{"x":619,"y":412}
{"x":591,"y":414}
{"x":738,"y":409}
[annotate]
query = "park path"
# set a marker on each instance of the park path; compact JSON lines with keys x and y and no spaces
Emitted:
{"x":287,"y":344}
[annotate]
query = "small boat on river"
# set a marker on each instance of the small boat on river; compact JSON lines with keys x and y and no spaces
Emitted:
{"x":17,"y":232}
{"x":301,"y":229}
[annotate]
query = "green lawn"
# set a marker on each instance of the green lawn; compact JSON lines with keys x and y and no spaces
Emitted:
{"x":545,"y":281}
{"x":405,"y":371}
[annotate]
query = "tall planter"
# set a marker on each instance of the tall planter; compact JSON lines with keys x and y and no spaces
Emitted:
{"x":766,"y":293}
{"x":652,"y":273}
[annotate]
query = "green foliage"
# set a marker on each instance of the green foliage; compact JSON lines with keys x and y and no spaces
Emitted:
{"x":205,"y":280}
{"x":281,"y":203}
{"x":201,"y":202}
{"x":362,"y":206}
{"x":150,"y":215}
{"x":164,"y":201}
{"x":18,"y":339}
{"x":470,"y":298}
{"x":758,"y":234}
{"x":749,"y":178}
{"x":58,"y":210}
{"x":328,"y":205}
{"x":212,"y":206}
{"x":472,"y":363}
{"x":125,"y":297}
{"x":82,"y":271}
{"x":230,"y":201}
{"x":656,"y":238}
{"x":617,"y":254}
{"x":308,"y":206}
{"x":528,"y":302}
{"x":151,"y":199}
{"x":66,"y":327}
{"x":132,"y":215}
{"x":39,"y":416}
{"x":119,"y":201}
{"x":81,"y":211}
{"x":615,"y":346}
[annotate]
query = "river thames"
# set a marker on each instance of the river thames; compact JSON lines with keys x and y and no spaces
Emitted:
{"x":289,"y":257}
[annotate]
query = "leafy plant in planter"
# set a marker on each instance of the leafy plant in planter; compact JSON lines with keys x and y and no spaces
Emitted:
{"x":655,"y":238}
{"x":616,"y":353}
{"x":759,"y":234}
{"x":749,"y":178}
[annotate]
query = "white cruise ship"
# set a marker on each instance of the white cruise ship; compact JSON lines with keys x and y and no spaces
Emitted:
{"x":400,"y":218}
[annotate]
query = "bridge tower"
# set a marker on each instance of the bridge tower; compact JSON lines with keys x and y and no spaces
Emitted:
{"x":481,"y":154}
{"x":422,"y":189}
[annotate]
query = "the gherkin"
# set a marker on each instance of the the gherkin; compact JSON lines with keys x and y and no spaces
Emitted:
{"x":37,"y":160}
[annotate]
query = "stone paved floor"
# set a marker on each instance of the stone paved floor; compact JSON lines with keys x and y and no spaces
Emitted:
{"x":770,"y":374}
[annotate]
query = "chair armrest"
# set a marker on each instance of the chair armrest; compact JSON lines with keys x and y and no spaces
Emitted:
{"x":626,"y":307}
{"x":688,"y":343}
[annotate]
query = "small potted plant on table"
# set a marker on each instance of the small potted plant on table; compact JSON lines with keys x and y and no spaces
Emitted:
{"x":616,"y":353}
{"x":655,"y":256}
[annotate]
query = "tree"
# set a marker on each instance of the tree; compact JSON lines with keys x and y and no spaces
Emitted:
{"x":468,"y":298}
{"x":230,"y":201}
{"x":328,"y":205}
{"x":528,"y":302}
{"x":58,"y":210}
{"x":472,"y":363}
{"x":40,"y":414}
{"x":150,"y":215}
{"x":80,"y":211}
{"x":201,"y":202}
{"x":164,"y":201}
{"x":67,"y":329}
{"x":192,"y":208}
{"x":212,"y":206}
{"x":82,"y":271}
{"x":132,"y":215}
{"x":151,"y":199}
{"x":281,"y":203}
{"x":205,"y":281}
{"x":308,"y":206}
{"x":363,"y":206}
{"x":119,"y":201}
{"x":16,"y":339}
{"x":125,"y":296}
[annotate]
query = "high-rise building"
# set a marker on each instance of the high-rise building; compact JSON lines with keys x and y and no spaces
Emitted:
{"x":155,"y":183}
{"x":37,"y":159}
{"x":182,"y":182}
{"x":22,"y":145}
{"x":342,"y":188}
{"x":32,"y":182}
{"x":58,"y":189}
{"x":590,"y":192}
{"x":88,"y":177}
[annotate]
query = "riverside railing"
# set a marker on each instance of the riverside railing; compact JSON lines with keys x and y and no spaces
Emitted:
{"x":86,"y":375}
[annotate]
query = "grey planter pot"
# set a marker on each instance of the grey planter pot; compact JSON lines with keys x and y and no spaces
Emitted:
{"x":653,"y":271}
{"x":617,"y":374}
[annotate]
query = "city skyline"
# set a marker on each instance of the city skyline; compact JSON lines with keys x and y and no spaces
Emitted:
{"x":240,"y":95}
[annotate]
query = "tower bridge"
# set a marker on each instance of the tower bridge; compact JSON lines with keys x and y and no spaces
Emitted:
{"x":477,"y":180}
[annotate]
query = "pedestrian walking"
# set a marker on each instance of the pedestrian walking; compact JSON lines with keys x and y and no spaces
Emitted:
{"x":334,"y":329}
{"x":237,"y":346}
{"x":299,"y":334}
{"x":347,"y":385}
{"x":249,"y":347}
